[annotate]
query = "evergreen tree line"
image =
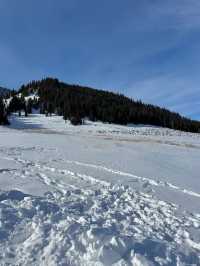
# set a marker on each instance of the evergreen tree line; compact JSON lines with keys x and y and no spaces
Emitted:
{"x":19,"y":104}
{"x":77,"y":102}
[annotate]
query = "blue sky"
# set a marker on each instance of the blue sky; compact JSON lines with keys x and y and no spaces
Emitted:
{"x":146,"y":49}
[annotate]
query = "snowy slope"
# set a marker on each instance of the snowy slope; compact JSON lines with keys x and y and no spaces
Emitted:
{"x":98,"y":194}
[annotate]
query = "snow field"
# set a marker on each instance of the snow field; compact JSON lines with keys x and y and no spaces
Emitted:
{"x":94,"y":195}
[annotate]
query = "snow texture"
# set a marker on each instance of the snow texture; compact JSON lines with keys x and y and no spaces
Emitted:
{"x":98,"y":194}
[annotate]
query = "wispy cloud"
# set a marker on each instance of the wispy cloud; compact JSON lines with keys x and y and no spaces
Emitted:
{"x":175,"y":93}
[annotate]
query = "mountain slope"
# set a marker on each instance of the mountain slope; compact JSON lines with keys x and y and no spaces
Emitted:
{"x":76,"y":101}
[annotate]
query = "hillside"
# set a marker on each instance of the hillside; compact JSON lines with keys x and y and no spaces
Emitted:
{"x":76,"y":102}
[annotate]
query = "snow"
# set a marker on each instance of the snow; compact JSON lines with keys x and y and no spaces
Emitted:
{"x":98,"y":194}
{"x":32,"y":96}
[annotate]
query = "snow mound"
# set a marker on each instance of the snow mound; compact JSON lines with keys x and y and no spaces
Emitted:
{"x":113,"y":225}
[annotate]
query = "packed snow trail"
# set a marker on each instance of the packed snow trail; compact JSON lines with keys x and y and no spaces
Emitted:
{"x":42,"y":168}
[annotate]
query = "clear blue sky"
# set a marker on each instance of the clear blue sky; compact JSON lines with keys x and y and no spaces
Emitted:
{"x":146,"y":49}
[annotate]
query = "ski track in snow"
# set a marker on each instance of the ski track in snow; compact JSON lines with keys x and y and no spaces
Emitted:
{"x":85,"y":220}
{"x":150,"y":181}
{"x":153,"y":182}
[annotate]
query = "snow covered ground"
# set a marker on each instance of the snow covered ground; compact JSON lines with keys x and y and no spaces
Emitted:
{"x":98,"y":194}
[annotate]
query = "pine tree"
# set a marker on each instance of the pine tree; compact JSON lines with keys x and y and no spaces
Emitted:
{"x":3,"y":113}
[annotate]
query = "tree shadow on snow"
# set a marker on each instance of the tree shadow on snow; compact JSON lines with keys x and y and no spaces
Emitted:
{"x":23,"y":122}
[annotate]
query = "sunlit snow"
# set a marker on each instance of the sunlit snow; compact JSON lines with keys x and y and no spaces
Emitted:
{"x":98,"y":194}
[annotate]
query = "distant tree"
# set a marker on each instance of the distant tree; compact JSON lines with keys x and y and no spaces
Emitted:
{"x":17,"y":104}
{"x":3,"y":113}
{"x":29,"y":106}
{"x":76,"y":120}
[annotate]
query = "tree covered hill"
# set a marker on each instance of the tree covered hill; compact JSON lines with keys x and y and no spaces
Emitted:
{"x":76,"y":102}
